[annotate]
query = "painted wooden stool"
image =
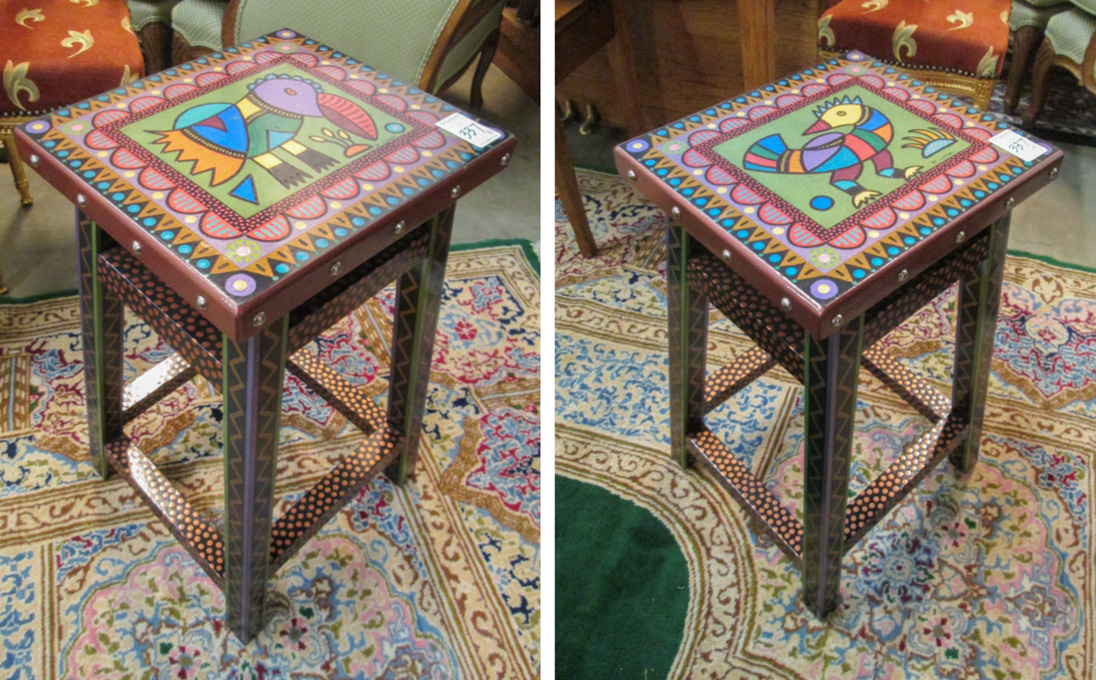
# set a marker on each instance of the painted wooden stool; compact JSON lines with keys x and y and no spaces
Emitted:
{"x":818,"y":213}
{"x":240,"y":205}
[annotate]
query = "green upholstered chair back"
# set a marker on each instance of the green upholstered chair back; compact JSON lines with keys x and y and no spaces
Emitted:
{"x":1034,"y":13}
{"x":1087,"y":5}
{"x":145,"y":12}
{"x":1070,"y":33}
{"x":400,"y":37}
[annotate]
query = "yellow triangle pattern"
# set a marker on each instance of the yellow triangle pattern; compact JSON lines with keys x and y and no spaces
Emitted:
{"x":185,"y":236}
{"x":792,"y":259}
{"x":304,"y":243}
{"x":222,"y":265}
{"x":808,"y":272}
{"x":859,"y":261}
{"x":283,"y":254}
{"x":202,"y":250}
{"x":261,"y":267}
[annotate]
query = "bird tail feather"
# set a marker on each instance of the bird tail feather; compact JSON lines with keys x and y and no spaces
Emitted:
{"x":929,"y":141}
{"x":764,"y":154}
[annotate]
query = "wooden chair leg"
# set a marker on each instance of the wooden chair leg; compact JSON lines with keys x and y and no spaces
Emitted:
{"x":1024,"y":43}
{"x":182,"y":51}
{"x":567,"y":186}
{"x":156,"y":45}
{"x":622,"y":61}
{"x":1039,"y":75}
{"x":17,"y":171}
{"x":487,"y":55}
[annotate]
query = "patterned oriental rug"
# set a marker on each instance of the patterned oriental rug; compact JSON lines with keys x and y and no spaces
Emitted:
{"x":986,"y":576}
{"x":439,"y":579}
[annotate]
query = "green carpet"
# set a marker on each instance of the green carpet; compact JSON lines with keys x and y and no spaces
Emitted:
{"x":629,"y":590}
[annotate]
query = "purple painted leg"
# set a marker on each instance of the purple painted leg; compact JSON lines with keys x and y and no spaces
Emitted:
{"x":418,"y":299}
{"x":687,"y":315}
{"x":832,"y":367}
{"x":975,"y":326}
{"x":252,"y":393}
{"x":102,"y":327}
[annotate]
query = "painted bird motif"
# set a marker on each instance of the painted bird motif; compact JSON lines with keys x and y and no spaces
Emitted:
{"x":841,"y":153}
{"x":221,"y":137}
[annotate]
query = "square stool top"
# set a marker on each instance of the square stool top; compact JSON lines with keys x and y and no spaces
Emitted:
{"x":255,"y":176}
{"x":827,"y":189}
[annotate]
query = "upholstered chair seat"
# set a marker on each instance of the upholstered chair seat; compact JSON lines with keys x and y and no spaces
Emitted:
{"x":56,"y":52}
{"x":958,"y":46}
{"x":1069,"y":42}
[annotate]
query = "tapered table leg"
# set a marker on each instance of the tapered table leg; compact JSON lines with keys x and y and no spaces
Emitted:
{"x":102,"y":327}
{"x":252,"y":392}
{"x":18,"y":173}
{"x":570,"y":196}
{"x":418,"y":299}
{"x":975,"y":326}
{"x":832,"y":366}
{"x":687,"y":313}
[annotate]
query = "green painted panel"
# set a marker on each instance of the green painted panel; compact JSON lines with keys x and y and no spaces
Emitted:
{"x":218,"y":170}
{"x":808,"y":191}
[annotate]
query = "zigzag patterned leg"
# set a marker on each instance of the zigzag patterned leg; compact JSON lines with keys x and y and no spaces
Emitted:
{"x":975,"y":326}
{"x":103,"y":328}
{"x":252,"y":393}
{"x":418,"y":299}
{"x":831,"y":366}
{"x":687,"y":316}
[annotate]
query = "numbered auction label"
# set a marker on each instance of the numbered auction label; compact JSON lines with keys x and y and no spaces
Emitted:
{"x":477,"y":134}
{"x":1018,"y":145}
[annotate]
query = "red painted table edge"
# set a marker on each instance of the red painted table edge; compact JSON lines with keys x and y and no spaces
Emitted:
{"x":236,"y":321}
{"x":815,"y":319}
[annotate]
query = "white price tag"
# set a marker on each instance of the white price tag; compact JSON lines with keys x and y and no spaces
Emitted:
{"x":1018,"y":145}
{"x":477,"y":134}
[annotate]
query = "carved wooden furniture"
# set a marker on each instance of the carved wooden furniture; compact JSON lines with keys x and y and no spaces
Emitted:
{"x":691,"y":52}
{"x":582,"y":28}
{"x":240,"y":205}
{"x":431,"y":42}
{"x":518,"y":53}
{"x":959,"y":47}
{"x":818,"y":213}
{"x":196,"y":27}
{"x":53,"y":53}
{"x":1027,"y":22}
{"x":757,"y":34}
{"x":1070,"y":42}
{"x":151,"y":20}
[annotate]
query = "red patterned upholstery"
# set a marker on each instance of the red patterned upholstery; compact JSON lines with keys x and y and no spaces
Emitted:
{"x":56,"y":52}
{"x":967,"y":36}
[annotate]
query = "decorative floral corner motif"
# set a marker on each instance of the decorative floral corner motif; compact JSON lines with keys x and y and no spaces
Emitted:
{"x":499,"y":470}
